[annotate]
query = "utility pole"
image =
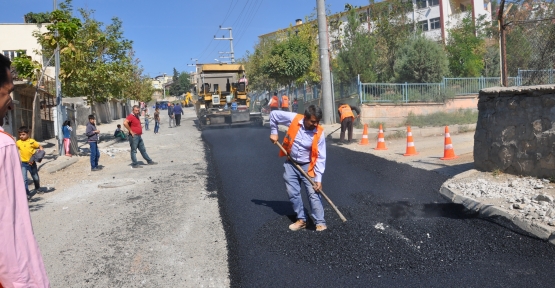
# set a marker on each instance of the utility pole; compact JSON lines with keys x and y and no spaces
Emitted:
{"x":502,"y":43}
{"x":324,"y":63}
{"x":230,"y":38}
{"x":58,"y":122}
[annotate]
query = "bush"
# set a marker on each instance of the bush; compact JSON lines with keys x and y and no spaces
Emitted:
{"x":462,"y":116}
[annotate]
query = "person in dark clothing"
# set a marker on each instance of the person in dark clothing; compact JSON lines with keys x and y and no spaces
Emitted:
{"x":177,"y":111}
{"x":170,"y":115}
{"x":347,"y":119}
{"x":92,"y":135}
{"x":295,"y":105}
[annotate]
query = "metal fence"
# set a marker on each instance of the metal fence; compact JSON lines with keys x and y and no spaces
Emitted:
{"x":412,"y":92}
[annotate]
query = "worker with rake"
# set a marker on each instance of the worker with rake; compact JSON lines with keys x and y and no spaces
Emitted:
{"x":305,"y":145}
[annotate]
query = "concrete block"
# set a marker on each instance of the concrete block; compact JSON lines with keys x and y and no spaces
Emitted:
{"x":61,"y":163}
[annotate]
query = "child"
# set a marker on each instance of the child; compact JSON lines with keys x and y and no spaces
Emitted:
{"x":147,"y":121}
{"x":27,"y":147}
{"x":119,"y":133}
{"x":156,"y":120}
{"x":66,"y":129}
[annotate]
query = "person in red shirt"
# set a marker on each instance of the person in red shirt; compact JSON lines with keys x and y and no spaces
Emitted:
{"x":133,"y":125}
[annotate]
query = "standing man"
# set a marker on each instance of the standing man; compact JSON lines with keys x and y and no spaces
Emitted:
{"x":156,"y":120}
{"x":274,"y":102}
{"x":284,"y":103}
{"x":133,"y":125}
{"x":347,"y":119}
{"x":92,"y":135}
{"x":177,"y":112}
{"x":295,"y":105}
{"x":170,"y":114}
{"x":306,"y":144}
{"x":21,"y":262}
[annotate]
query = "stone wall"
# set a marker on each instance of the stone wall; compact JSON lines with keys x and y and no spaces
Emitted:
{"x":515,"y":132}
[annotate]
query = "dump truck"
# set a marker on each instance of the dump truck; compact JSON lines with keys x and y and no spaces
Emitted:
{"x":222,"y":98}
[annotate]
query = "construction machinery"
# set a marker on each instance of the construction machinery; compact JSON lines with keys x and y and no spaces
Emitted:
{"x":222,"y":96}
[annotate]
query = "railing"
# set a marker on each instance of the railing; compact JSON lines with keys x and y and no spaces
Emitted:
{"x":415,"y":92}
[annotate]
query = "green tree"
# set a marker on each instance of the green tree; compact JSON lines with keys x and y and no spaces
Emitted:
{"x":184,"y":82}
{"x":466,"y":47}
{"x":175,"y":88}
{"x":421,"y":60}
{"x":391,"y":26}
{"x":357,"y":55}
{"x":289,"y":60}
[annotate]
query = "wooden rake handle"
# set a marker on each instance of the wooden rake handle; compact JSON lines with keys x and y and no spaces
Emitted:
{"x":312,"y":183}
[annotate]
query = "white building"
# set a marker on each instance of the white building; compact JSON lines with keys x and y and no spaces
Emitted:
{"x":433,"y":17}
{"x":15,"y":37}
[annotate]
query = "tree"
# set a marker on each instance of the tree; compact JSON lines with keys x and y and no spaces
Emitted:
{"x":466,"y":47}
{"x":357,"y":55}
{"x":391,"y":26}
{"x":94,"y":59}
{"x":175,"y":88}
{"x":288,"y":60}
{"x":184,"y":82}
{"x":421,"y":60}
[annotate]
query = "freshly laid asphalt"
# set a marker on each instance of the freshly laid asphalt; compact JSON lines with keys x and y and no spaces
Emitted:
{"x":400,"y":231}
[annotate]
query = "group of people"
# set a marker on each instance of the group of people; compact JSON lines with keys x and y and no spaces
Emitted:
{"x":275,"y":103}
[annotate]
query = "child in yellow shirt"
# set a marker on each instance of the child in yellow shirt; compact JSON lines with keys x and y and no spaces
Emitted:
{"x":27,"y":147}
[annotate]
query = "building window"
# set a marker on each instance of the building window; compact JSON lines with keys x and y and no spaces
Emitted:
{"x":363,"y":17}
{"x":13,"y":53}
{"x":435,"y":23}
{"x":433,"y":2}
{"x":421,"y":4}
{"x":335,"y":45}
{"x":423,"y":25}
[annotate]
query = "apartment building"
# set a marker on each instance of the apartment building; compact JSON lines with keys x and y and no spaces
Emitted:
{"x":433,"y":17}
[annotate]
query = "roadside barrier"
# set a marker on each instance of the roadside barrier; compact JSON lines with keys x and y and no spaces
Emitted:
{"x":364,"y":140}
{"x":448,"y":151}
{"x":411,"y":150}
{"x":381,"y":140}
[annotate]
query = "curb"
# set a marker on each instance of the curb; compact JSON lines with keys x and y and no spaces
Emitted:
{"x":492,"y":212}
{"x":61,"y":164}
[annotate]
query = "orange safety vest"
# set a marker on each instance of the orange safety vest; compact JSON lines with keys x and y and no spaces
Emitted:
{"x":345,"y":111}
{"x":292,"y":134}
{"x":275,"y":102}
{"x":284,"y":101}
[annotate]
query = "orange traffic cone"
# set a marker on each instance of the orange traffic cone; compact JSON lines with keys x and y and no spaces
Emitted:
{"x":364,"y":140}
{"x":411,"y":150}
{"x":381,"y":140}
{"x":449,"y":152}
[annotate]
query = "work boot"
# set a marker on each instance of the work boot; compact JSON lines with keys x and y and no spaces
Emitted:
{"x":321,"y":227}
{"x":300,"y":224}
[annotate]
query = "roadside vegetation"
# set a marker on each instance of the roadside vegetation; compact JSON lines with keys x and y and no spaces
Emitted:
{"x":461,"y":116}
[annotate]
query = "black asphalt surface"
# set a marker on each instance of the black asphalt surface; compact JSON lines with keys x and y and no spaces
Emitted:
{"x":425,"y":241}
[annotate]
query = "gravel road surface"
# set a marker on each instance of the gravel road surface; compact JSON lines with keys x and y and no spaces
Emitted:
{"x":157,"y":226}
{"x":400,"y":231}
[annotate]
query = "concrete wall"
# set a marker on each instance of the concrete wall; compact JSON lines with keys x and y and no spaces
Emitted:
{"x":516,"y":130}
{"x":396,"y":114}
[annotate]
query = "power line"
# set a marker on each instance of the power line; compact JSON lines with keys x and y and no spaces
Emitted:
{"x":243,"y":32}
{"x":230,"y":10}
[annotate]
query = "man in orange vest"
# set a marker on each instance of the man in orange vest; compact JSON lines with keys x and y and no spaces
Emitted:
{"x":284,"y":103}
{"x":306,"y":144}
{"x":347,"y":118}
{"x":274,"y":102}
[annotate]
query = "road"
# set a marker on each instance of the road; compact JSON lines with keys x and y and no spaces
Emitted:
{"x":158,"y":226}
{"x":400,"y":232}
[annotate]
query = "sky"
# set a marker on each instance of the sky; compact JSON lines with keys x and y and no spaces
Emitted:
{"x":167,"y":34}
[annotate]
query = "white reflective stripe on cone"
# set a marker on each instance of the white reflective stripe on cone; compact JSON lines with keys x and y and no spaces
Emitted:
{"x":447,"y":135}
{"x":448,"y":146}
{"x":410,"y":144}
{"x":380,"y":140}
{"x":364,"y":136}
{"x":381,"y":131}
{"x":409,"y":133}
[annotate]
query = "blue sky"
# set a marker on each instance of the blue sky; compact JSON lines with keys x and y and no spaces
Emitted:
{"x":167,"y":34}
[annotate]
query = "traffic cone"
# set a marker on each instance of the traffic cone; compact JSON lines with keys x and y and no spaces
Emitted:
{"x":381,"y":140}
{"x":411,"y":150}
{"x":448,"y":151}
{"x":364,"y":140}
